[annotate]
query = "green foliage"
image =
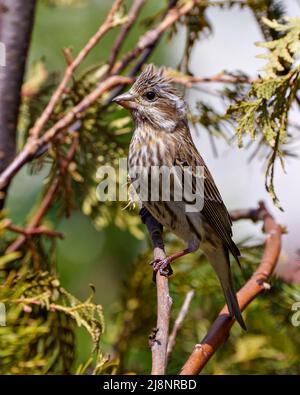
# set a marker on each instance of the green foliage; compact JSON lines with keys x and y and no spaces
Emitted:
{"x":41,"y":317}
{"x":283,"y":51}
{"x":43,"y":328}
{"x":265,"y":109}
{"x":37,"y":337}
{"x":262,"y":112}
{"x":267,"y":9}
{"x":37,"y":91}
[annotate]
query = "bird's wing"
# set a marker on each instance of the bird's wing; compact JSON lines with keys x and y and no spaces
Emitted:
{"x":214,"y":209}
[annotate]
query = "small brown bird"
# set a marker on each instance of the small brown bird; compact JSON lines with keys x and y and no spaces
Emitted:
{"x":162,"y":137}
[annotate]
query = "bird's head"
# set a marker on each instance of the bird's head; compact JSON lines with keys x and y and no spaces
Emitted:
{"x":154,"y":101}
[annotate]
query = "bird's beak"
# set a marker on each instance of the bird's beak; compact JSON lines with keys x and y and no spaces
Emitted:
{"x":126,"y":100}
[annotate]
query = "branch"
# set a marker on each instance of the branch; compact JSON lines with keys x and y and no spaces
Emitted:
{"x":190,"y":80}
{"x":40,"y":230}
{"x":108,"y":24}
{"x":159,"y":340}
{"x":257,"y":214}
{"x":178,"y":322}
{"x":46,"y":202}
{"x":33,"y":146}
{"x":220,"y":329}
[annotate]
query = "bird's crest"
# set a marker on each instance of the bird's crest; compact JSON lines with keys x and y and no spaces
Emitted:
{"x":154,"y":77}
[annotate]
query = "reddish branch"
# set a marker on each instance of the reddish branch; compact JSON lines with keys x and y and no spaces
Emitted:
{"x":40,"y":230}
{"x":220,"y":329}
{"x":190,"y":80}
{"x":256,"y":214}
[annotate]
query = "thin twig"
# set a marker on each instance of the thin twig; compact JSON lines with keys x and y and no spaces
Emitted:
{"x":257,"y":214}
{"x":68,"y":55}
{"x":148,"y":51}
{"x":190,"y":80}
{"x":131,"y":17}
{"x":40,"y":230}
{"x":179,"y":321}
{"x":220,"y":329}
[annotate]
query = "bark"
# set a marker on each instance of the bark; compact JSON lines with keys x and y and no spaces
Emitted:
{"x":16,"y":21}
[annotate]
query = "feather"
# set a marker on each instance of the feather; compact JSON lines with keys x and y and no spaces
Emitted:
{"x":214,"y":209}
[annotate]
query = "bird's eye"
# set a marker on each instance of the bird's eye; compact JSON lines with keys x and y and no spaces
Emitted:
{"x":150,"y":95}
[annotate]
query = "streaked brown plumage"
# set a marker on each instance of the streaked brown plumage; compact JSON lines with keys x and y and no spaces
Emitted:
{"x":162,"y":137}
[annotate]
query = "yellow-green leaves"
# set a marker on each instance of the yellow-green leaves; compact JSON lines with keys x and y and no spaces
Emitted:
{"x":265,"y":109}
{"x":281,"y":52}
{"x":264,"y":112}
{"x":41,"y":312}
{"x":9,"y":258}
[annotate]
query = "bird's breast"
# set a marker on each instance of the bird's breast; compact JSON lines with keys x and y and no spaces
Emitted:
{"x":149,"y":148}
{"x":158,"y":150}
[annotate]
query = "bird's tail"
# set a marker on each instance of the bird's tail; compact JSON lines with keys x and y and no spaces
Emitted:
{"x":220,"y":262}
{"x":233,"y":306}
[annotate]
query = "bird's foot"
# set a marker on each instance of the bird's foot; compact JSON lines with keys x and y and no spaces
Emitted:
{"x":163,"y":266}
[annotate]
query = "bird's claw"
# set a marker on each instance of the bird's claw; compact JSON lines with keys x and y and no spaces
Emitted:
{"x":163,"y":266}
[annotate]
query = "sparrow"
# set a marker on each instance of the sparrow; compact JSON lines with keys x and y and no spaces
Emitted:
{"x":162,"y":137}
